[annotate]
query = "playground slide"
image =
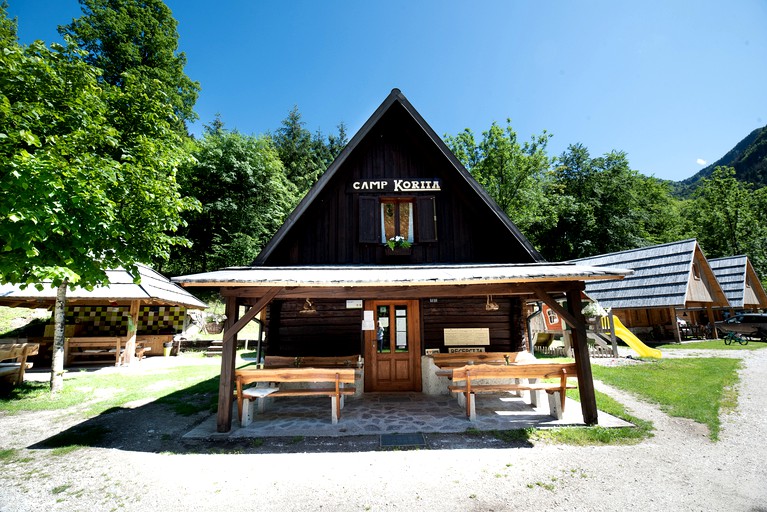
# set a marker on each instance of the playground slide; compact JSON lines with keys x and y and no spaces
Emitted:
{"x":632,"y":341}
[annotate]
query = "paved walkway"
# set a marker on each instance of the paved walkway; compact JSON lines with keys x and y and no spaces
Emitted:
{"x":401,"y":413}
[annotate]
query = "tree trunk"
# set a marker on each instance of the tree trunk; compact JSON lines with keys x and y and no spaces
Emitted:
{"x":57,"y":361}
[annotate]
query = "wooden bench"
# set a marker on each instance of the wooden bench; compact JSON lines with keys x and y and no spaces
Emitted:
{"x":311,"y":361}
{"x":339,"y":377}
{"x":463,"y":358}
{"x":18,"y":352}
{"x":503,"y":375}
{"x":446,"y":362}
{"x":93,"y":346}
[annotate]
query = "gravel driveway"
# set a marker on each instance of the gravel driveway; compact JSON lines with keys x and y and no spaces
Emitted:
{"x":677,"y":469}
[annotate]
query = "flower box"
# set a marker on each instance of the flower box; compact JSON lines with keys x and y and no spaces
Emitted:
{"x":398,"y":251}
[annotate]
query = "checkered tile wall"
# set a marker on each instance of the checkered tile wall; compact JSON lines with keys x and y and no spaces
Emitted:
{"x":113,"y":321}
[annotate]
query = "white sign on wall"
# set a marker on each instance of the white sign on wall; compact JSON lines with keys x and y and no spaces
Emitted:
{"x":368,"y":323}
{"x":464,"y":336}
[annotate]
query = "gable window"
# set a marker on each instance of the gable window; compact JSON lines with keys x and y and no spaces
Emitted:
{"x":396,"y":219}
{"x":695,"y":272}
{"x":381,"y":218}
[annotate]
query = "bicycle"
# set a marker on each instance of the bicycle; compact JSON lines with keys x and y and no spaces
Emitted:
{"x":731,"y":337}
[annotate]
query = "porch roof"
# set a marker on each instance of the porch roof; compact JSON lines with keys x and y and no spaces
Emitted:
{"x":385,"y":276}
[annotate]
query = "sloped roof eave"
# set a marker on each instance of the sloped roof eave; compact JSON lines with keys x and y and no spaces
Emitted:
{"x":383,"y":276}
{"x":395,"y":96}
{"x":154,"y":288}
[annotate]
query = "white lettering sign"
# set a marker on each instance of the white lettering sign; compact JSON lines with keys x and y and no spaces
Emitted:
{"x":396,"y":185}
{"x":416,"y":186}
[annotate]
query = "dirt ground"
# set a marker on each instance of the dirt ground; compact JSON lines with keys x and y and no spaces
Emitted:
{"x":141,"y":463}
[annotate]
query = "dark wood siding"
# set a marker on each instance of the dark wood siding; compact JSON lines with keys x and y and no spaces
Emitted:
{"x":333,"y":330}
{"x":329,"y":232}
{"x":505,"y":334}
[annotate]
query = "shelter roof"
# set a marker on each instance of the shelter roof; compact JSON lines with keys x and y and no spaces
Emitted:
{"x":384,"y":276}
{"x":735,"y":274}
{"x":154,"y":288}
{"x":661,"y":276}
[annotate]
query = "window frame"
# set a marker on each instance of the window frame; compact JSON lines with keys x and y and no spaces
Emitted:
{"x":397,"y":201}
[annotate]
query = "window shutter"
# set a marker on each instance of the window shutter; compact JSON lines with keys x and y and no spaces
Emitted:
{"x":427,"y":219}
{"x":370,"y":228}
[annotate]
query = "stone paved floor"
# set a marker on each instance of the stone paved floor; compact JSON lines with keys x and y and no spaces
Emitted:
{"x":382,"y":413}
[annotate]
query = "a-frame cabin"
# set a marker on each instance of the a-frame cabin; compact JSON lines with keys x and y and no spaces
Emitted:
{"x":333,"y":286}
{"x":670,"y":281}
{"x":740,"y":284}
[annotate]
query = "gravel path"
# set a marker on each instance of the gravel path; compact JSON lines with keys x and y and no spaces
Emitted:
{"x":677,"y":469}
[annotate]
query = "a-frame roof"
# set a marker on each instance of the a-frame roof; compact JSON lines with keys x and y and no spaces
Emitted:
{"x":395,"y":98}
{"x":736,"y":274}
{"x":661,"y":278}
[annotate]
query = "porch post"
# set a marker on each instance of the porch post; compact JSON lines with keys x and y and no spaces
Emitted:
{"x":582,"y":361}
{"x":232,"y":326}
{"x":712,"y":321}
{"x":228,"y":358}
{"x":130,"y":343}
{"x":675,"y":325}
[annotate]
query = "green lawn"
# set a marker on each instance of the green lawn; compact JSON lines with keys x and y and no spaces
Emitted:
{"x":188,"y":388}
{"x":713,"y":344}
{"x":696,"y":388}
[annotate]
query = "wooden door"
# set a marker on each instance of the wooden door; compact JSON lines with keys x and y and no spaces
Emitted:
{"x":393,"y":349}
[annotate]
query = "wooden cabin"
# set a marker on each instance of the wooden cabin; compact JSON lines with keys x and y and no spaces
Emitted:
{"x":740,"y":284}
{"x":396,"y":250}
{"x":671,"y":294}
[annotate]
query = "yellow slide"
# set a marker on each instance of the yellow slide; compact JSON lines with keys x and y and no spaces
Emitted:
{"x":632,"y":341}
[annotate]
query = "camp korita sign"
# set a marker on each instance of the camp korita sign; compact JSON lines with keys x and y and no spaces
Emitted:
{"x":395,"y":185}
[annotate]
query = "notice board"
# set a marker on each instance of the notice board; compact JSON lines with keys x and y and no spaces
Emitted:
{"x":466,"y":336}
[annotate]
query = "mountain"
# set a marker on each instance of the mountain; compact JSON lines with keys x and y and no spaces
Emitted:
{"x":748,"y":158}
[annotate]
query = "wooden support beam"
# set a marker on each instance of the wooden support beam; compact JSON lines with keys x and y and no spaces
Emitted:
{"x":675,"y":325}
{"x":399,"y":292}
{"x":544,"y":296}
{"x":582,"y":361}
{"x":226,"y":381}
{"x":232,"y":326}
{"x":262,"y":302}
{"x":712,"y":320}
{"x":130,"y":344}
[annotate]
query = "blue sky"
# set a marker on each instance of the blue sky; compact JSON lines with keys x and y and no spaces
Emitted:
{"x":671,"y":83}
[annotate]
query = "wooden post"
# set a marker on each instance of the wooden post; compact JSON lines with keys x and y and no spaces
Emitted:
{"x":574,"y":318}
{"x":130,"y":343}
{"x":232,"y":326}
{"x":613,"y":339}
{"x":712,"y":321}
{"x":582,"y":361}
{"x":675,"y":325}
{"x":228,"y":358}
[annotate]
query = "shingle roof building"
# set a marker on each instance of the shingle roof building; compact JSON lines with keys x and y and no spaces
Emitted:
{"x":739,"y":281}
{"x":663,"y":276}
